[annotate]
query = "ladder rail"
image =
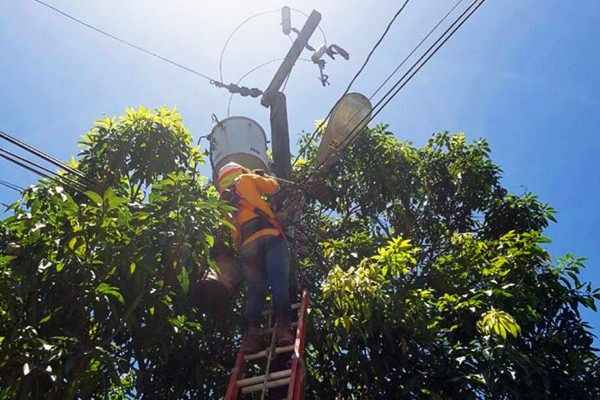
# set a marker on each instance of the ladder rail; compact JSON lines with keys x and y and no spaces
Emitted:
{"x":295,"y":388}
{"x":270,"y":355}
{"x":237,"y":373}
{"x":293,"y":378}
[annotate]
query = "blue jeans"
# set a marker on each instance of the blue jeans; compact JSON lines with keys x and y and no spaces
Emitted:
{"x":266,"y":261}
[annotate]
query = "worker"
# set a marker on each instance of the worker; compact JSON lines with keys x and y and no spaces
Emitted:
{"x":263,"y":248}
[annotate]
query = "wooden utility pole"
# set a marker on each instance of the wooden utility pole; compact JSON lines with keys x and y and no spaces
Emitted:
{"x":276,"y":101}
{"x":280,"y":135}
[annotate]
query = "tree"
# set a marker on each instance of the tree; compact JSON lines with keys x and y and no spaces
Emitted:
{"x":95,"y":286}
{"x":428,"y":279}
{"x":431,"y":281}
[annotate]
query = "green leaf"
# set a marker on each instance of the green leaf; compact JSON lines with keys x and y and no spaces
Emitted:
{"x":4,"y":260}
{"x":500,"y":323}
{"x":105,"y":288}
{"x":184,"y":280}
{"x":210,"y":240}
{"x":95,"y":197}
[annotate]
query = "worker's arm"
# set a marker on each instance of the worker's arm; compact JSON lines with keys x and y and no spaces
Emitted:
{"x":265,"y":184}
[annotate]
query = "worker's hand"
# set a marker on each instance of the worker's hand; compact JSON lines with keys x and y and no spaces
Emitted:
{"x":227,"y":195}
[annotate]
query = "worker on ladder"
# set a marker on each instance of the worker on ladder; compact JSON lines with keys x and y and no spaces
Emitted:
{"x":263,"y":248}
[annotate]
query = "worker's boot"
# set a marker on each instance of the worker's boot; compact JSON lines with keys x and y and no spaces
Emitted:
{"x":252,"y":339}
{"x":285,"y":337}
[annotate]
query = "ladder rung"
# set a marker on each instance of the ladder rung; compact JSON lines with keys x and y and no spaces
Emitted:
{"x":260,"y":379}
{"x":261,"y":354}
{"x":269,"y":385}
{"x":270,"y":330}
{"x":294,"y":306}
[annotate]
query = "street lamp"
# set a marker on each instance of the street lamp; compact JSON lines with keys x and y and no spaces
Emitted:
{"x":350,"y":116}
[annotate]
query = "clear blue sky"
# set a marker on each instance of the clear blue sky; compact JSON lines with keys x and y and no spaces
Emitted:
{"x":522,"y":74}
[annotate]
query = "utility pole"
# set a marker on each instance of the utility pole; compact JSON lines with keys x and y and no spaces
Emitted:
{"x":276,"y":101}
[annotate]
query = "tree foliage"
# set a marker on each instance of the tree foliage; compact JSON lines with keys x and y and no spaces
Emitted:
{"x":95,"y":290}
{"x":428,"y":279}
{"x":433,"y":282}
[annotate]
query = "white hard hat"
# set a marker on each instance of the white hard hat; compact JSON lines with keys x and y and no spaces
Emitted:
{"x":228,"y":173}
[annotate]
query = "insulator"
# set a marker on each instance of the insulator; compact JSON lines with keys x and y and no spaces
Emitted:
{"x":254,"y":92}
{"x":244,"y":91}
{"x":318,"y":53}
{"x":286,"y":21}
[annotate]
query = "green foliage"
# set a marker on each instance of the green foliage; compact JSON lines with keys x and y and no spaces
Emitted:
{"x":429,"y":280}
{"x":96,"y":298}
{"x":500,"y":323}
{"x":434,"y":282}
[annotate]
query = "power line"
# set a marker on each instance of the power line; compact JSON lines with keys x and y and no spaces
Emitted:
{"x":11,"y":186}
{"x":244,"y":22}
{"x":429,"y":53}
{"x":8,"y":155}
{"x":401,"y":83}
{"x":360,"y":70}
{"x":125,"y":42}
{"x":254,"y":69}
{"x":437,"y":45}
{"x":318,"y":26}
{"x":45,"y":156}
{"x":40,"y":170}
{"x":233,"y":33}
{"x":416,"y":48}
{"x":383,"y":35}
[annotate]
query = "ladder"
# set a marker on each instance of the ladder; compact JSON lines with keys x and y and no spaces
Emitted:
{"x":276,"y":381}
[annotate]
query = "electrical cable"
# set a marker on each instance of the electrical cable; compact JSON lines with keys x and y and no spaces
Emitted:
{"x":287,"y":78}
{"x":360,"y":70}
{"x":45,"y":156}
{"x":7,"y":153}
{"x":37,"y":169}
{"x":429,"y":53}
{"x":254,"y":69}
{"x":32,"y":169}
{"x":432,"y":50}
{"x":383,"y":35}
{"x":245,"y":75}
{"x":11,"y":186}
{"x":318,"y":26}
{"x":401,"y":83}
{"x":244,"y":22}
{"x":416,"y":48}
{"x":125,"y":42}
{"x":233,"y":33}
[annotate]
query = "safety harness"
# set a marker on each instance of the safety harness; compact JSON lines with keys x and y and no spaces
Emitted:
{"x":254,"y":225}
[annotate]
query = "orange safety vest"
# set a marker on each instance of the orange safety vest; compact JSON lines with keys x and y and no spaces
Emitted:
{"x":253,"y":218}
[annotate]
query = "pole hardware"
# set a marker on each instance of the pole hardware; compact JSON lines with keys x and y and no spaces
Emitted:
{"x":241,"y":90}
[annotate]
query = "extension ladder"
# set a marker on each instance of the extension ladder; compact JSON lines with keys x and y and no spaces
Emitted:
{"x":283,"y":374}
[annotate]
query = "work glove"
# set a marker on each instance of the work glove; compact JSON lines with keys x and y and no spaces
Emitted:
{"x":228,"y":195}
